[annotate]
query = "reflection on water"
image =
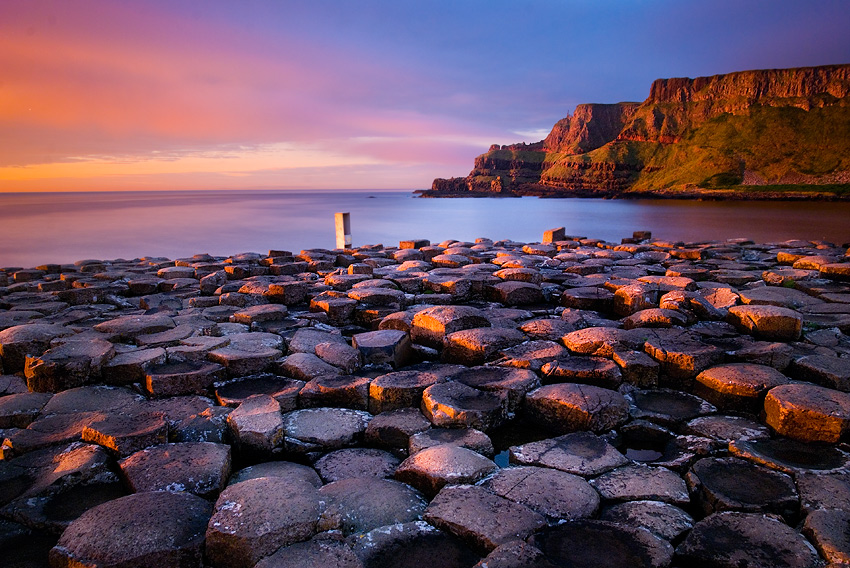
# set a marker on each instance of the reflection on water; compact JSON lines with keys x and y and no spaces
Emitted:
{"x":64,"y":227}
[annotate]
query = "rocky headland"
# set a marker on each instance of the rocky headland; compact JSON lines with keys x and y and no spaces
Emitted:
{"x":765,"y":134}
{"x":499,"y":404}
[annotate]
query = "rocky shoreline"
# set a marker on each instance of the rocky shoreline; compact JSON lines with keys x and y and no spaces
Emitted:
{"x":696,"y":193}
{"x":493,"y":404}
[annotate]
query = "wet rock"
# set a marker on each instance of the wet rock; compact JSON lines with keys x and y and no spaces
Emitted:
{"x":770,"y":323}
{"x":580,"y":453}
{"x":201,"y":468}
{"x":131,"y":366}
{"x":807,"y":412}
{"x":480,"y":518}
{"x":586,"y":370}
{"x":469,"y":438}
{"x":384,"y":346}
{"x":829,"y":530}
{"x":248,"y":353}
{"x":69,"y":365}
{"x":640,"y":482}
{"x":283,"y":390}
{"x":567,"y":407}
{"x":555,"y":494}
{"x":209,"y":425}
{"x":666,"y":407}
{"x":356,"y":462}
{"x":19,"y":410}
{"x":730,"y":484}
{"x":19,"y":341}
{"x":287,"y":470}
{"x":614,"y":544}
{"x":453,"y":404}
{"x":662,"y":519}
{"x":432,"y":325}
{"x":172,"y":525}
{"x":253,"y":518}
{"x":393,"y":429}
{"x":791,"y":456}
{"x":727,"y":428}
{"x":315,"y":552}
{"x":745,"y":539}
{"x":257,"y":424}
{"x":324,"y":429}
{"x":412,"y":545}
{"x":125,"y":434}
{"x":359,"y":505}
{"x":432,"y":468}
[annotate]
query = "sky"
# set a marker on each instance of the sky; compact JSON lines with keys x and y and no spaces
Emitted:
{"x":291,"y":94}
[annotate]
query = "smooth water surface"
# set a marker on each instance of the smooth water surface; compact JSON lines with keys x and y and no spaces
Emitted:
{"x":64,"y":227}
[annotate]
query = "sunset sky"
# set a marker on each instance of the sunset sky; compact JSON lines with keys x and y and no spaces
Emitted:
{"x":284,"y":94}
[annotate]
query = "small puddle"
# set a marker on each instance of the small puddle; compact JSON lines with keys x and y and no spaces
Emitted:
{"x":642,"y":454}
{"x":502,"y":459}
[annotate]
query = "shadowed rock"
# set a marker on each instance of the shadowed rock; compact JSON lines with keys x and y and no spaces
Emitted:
{"x":469,"y":438}
{"x":254,"y":518}
{"x":567,"y":407}
{"x":356,"y":462}
{"x":324,"y":429}
{"x":555,"y":494}
{"x":257,"y":424}
{"x":581,"y":453}
{"x":201,"y":468}
{"x":287,"y":470}
{"x":745,"y":539}
{"x":342,"y":391}
{"x":640,"y":482}
{"x":480,"y":518}
{"x":285,"y":391}
{"x":125,"y":434}
{"x":394,"y":428}
{"x":603,"y":543}
{"x":453,"y":404}
{"x":158,"y":528}
{"x":19,"y":410}
{"x":31,"y":339}
{"x":72,"y":364}
{"x":359,"y":505}
{"x":314,"y":552}
{"x":791,"y":456}
{"x":662,"y":519}
{"x":412,"y":545}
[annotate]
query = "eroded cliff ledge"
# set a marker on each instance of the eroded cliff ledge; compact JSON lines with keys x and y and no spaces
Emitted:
{"x":766,"y":133}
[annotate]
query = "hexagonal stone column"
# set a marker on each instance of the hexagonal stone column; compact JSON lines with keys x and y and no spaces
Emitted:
{"x":568,"y":407}
{"x":807,"y":412}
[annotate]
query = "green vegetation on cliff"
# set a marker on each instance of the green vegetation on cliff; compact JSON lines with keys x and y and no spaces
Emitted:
{"x":770,"y":132}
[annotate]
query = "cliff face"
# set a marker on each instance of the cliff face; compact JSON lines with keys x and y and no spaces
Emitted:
{"x":750,"y":127}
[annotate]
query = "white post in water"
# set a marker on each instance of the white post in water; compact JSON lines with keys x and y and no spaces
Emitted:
{"x":343,"y":230}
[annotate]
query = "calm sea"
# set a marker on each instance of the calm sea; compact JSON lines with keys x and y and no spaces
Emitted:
{"x":65,"y":227}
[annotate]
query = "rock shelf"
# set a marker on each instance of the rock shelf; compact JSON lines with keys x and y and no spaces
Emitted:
{"x":465,"y":404}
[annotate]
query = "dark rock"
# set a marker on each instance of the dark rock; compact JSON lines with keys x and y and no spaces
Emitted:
{"x":581,"y":453}
{"x":432,"y":468}
{"x":412,"y":545}
{"x":359,"y":505}
{"x":201,"y":468}
{"x":555,"y":494}
{"x":356,"y":462}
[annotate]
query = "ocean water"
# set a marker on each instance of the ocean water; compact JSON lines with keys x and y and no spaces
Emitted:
{"x":65,"y":227}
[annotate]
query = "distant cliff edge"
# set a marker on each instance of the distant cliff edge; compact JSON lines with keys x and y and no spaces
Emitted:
{"x":777,"y":133}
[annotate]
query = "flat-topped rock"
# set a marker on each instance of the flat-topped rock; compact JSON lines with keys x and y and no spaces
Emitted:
{"x":567,"y":407}
{"x":412,"y":545}
{"x":745,"y":539}
{"x":453,"y":404}
{"x":662,"y":519}
{"x":257,"y":424}
{"x":824,"y":370}
{"x":480,"y":518}
{"x":666,"y":406}
{"x":254,"y":518}
{"x":126,"y":434}
{"x":314,"y":552}
{"x":356,"y":462}
{"x":727,"y":428}
{"x":601,"y":341}
{"x":71,"y":364}
{"x":201,"y":468}
{"x":479,"y":345}
{"x":434,"y":467}
{"x":620,"y":546}
{"x":127,"y":328}
{"x":469,"y":438}
{"x":342,"y":391}
{"x":730,"y":484}
{"x":248,"y":353}
{"x":324,"y":429}
{"x":359,"y":505}
{"x":738,"y":387}
{"x":509,"y":382}
{"x":159,"y":528}
{"x":580,"y":453}
{"x":771,"y":323}
{"x":19,"y":410}
{"x":284,"y":390}
{"x":383,"y":346}
{"x":17,"y":342}
{"x":432,"y":325}
{"x":641,"y":482}
{"x":173,"y":379}
{"x":531,"y":355}
{"x":808,"y":412}
{"x":393,"y":429}
{"x":555,"y":494}
{"x":791,"y":456}
{"x":682,"y":356}
{"x":400,"y":389}
{"x":588,"y":370}
{"x":284,"y":469}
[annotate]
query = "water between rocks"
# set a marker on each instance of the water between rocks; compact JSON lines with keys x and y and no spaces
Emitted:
{"x":36,"y":228}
